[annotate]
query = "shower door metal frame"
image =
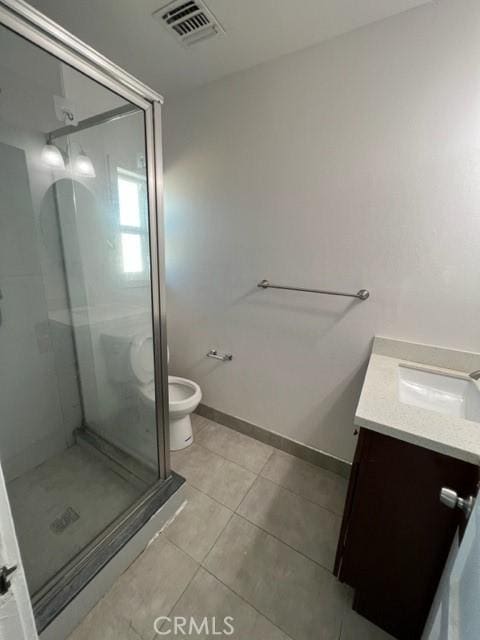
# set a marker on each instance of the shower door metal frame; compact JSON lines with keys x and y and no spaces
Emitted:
{"x":21,"y":18}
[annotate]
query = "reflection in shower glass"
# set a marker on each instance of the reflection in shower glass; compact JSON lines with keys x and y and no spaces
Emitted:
{"x":78,"y":439}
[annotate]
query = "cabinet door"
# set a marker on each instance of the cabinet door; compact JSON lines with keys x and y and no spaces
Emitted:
{"x":398,"y":534}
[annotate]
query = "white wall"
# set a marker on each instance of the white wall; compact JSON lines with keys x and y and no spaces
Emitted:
{"x":352,"y":164}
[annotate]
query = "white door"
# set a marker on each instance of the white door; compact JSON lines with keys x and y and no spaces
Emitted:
{"x":455,"y":613}
{"x":16,"y":615}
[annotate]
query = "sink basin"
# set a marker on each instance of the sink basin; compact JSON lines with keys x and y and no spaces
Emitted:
{"x":448,"y":394}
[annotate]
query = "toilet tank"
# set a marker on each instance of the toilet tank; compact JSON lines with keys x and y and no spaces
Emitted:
{"x":116,"y":342}
{"x":116,"y":348}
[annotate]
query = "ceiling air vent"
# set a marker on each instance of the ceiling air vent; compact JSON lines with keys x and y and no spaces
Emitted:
{"x":189,"y":20}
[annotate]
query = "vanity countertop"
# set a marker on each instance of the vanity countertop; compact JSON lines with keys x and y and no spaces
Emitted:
{"x":380,"y":409}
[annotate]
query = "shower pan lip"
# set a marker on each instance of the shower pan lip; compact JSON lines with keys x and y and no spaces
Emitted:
{"x":30,"y":24}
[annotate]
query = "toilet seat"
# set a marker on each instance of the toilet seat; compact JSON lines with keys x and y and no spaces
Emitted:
{"x":184,"y":395}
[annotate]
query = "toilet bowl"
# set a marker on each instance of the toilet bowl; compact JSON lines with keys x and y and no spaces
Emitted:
{"x":184,"y":395}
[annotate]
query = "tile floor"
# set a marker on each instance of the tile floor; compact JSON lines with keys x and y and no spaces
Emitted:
{"x":255,"y":541}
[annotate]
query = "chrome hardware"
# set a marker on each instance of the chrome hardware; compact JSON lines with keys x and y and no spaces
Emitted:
{"x":450,"y":498}
{"x":475,"y":375}
{"x":224,"y":357}
{"x":5,"y":583}
{"x":363,"y":294}
{"x":105,"y":116}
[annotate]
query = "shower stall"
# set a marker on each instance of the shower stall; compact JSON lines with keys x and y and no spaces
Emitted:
{"x":86,"y":461}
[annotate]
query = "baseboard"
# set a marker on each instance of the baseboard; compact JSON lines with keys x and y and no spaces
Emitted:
{"x":274,"y":439}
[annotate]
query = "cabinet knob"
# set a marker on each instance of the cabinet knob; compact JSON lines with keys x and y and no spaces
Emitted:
{"x":450,"y":498}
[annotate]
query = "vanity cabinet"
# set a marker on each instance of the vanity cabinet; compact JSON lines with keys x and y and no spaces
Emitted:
{"x":396,"y":535}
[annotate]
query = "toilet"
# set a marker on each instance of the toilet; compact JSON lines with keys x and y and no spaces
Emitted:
{"x":184,"y":395}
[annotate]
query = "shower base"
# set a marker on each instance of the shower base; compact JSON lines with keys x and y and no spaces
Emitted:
{"x":62,"y":505}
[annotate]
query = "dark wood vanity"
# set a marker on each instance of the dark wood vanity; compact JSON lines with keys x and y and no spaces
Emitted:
{"x":396,"y":534}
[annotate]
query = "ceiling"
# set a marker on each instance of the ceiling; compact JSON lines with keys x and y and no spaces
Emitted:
{"x":256,"y":31}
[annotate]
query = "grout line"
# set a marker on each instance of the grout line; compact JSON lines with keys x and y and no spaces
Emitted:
{"x":252,"y":606}
{"x":183,"y":591}
{"x":299,"y":495}
{"x":219,"y":455}
{"x":211,"y":497}
{"x":231,"y":514}
{"x":178,"y":470}
{"x":329,"y":571}
{"x":217,"y":424}
{"x":203,"y":422}
{"x":259,"y":474}
{"x":246,"y":495}
{"x":232,"y":509}
{"x":132,"y":628}
{"x":218,"y":536}
{"x":267,"y":460}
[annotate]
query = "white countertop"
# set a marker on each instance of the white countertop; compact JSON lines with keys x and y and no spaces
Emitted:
{"x":380,"y":409}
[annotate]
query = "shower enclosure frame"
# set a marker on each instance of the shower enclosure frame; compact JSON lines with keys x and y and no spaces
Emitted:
{"x":33,"y":26}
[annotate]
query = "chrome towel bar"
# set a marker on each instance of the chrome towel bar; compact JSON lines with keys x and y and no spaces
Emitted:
{"x":224,"y":357}
{"x":363,"y":294}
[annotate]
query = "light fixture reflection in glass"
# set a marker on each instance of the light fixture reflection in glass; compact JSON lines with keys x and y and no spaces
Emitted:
{"x":52,"y":157}
{"x":83,"y":166}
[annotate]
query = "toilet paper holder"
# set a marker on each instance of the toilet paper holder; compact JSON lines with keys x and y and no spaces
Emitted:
{"x":224,"y":357}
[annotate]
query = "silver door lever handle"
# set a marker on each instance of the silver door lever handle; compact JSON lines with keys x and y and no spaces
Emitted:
{"x":450,"y":498}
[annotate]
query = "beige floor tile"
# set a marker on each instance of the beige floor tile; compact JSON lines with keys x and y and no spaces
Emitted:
{"x":207,"y":597}
{"x":219,"y":478}
{"x":323,"y":487}
{"x":198,"y":423}
{"x":104,"y":623}
{"x":234,"y":446}
{"x":200,"y":523}
{"x":303,"y":525}
{"x":151,"y":586}
{"x":355,"y":627}
{"x":297,"y":595}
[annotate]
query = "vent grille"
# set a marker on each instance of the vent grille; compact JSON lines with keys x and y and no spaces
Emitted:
{"x":190,"y":21}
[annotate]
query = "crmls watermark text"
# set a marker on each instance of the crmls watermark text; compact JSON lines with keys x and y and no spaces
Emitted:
{"x":180,"y":626}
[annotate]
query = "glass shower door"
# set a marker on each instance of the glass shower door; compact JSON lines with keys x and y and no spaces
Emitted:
{"x":80,"y":422}
{"x":103,"y":223}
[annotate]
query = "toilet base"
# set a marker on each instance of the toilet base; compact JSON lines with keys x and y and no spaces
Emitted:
{"x":181,"y":434}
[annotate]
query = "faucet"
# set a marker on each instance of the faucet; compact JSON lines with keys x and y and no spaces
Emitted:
{"x":475,"y":375}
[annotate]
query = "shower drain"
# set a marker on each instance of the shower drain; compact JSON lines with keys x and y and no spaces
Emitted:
{"x":68,"y":517}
